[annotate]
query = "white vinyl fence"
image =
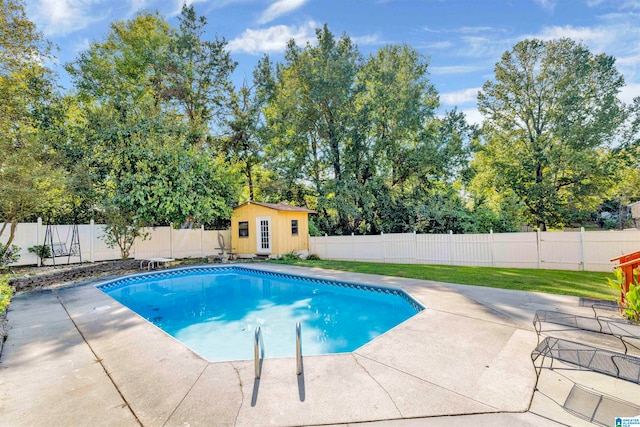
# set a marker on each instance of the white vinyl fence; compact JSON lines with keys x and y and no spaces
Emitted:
{"x":161,"y":242}
{"x":579,"y":250}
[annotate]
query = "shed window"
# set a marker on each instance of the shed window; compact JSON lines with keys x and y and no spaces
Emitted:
{"x":294,"y":227}
{"x":243,"y":229}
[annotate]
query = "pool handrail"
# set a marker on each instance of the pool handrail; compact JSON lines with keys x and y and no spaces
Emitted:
{"x":298,"y":350}
{"x":258,"y":344}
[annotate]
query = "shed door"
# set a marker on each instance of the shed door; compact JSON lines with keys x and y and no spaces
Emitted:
{"x":264,"y":234}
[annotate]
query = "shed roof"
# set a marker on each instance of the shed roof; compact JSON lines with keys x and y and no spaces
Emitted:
{"x":278,"y":207}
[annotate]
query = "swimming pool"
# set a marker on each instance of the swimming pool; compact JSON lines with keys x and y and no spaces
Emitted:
{"x":215,"y":310}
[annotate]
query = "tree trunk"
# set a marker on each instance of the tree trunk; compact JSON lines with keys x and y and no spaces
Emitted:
{"x":12,"y":234}
{"x":250,"y":181}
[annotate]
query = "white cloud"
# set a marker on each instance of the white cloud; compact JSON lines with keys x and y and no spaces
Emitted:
{"x":178,"y":4}
{"x":473,"y":116}
{"x":628,"y":60}
{"x":272,"y":39}
{"x":464,"y":96}
{"x":548,"y":5}
{"x":585,"y":34}
{"x":445,"y":44}
{"x":82,"y":45}
{"x":367,"y":40}
{"x":594,"y":3}
{"x":628,"y":92}
{"x":60,"y":17}
{"x":631,"y":4}
{"x":454,"y":69}
{"x":279,"y":8}
{"x":464,"y":30}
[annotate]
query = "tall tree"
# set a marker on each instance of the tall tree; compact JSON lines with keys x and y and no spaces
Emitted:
{"x":396,"y":100}
{"x":311,"y":103}
{"x":30,"y":180}
{"x":358,"y":140}
{"x":549,"y":113}
{"x":147,"y":164}
{"x":309,"y":116}
{"x":392,"y":140}
{"x":129,"y":64}
{"x":199,"y":73}
{"x":246,"y":137}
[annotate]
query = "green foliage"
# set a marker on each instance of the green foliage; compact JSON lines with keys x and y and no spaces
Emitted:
{"x":631,"y":301}
{"x":247,"y":138}
{"x":550,"y":112}
{"x":313,"y":228}
{"x":290,"y":256}
{"x":313,"y":257}
{"x":6,"y":292}
{"x":146,"y":97}
{"x":8,"y":254}
{"x":198,"y":74}
{"x":41,"y":251}
{"x":30,"y":181}
{"x":632,"y":308}
{"x":155,"y":133}
{"x":358,"y":139}
{"x":122,"y":229}
{"x":617,"y":283}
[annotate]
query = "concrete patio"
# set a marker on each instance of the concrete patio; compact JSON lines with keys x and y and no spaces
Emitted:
{"x":74,"y":356}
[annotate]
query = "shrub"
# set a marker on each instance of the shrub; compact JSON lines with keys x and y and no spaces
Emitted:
{"x":8,"y":255}
{"x":291,"y":256}
{"x":631,"y":302}
{"x":313,"y":257}
{"x":42,"y":251}
{"x":5,"y":292}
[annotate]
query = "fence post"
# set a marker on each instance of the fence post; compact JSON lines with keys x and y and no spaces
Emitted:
{"x":170,"y":240}
{"x":353,"y":246}
{"x":539,"y":246}
{"x":582,"y":266}
{"x":134,"y":246}
{"x":415,"y":247}
{"x":450,"y":247}
{"x":92,"y":240}
{"x":202,"y":241}
{"x":493,"y":249}
{"x":38,"y":229}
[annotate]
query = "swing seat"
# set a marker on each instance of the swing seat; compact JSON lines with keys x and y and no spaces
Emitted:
{"x":59,"y":249}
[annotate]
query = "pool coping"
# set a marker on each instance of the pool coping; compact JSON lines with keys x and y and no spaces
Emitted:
{"x":466,"y":354}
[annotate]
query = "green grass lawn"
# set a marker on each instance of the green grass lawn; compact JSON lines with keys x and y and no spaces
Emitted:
{"x":577,"y":283}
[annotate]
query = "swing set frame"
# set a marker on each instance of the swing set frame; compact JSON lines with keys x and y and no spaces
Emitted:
{"x":60,"y":249}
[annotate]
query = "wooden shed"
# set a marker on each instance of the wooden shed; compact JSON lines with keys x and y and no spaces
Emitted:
{"x":269,"y":229}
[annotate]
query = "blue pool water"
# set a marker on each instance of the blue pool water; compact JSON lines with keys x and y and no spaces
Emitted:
{"x":215,"y":311}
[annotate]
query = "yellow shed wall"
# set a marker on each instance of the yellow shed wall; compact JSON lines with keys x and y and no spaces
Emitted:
{"x":250,"y":213}
{"x":281,"y":239}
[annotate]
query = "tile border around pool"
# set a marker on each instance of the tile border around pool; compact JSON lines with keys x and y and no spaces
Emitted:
{"x":123,"y":281}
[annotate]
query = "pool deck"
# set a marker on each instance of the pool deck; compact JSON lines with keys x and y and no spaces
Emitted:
{"x":74,"y":356}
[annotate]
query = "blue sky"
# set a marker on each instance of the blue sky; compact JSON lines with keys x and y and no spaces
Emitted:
{"x":463,"y":39}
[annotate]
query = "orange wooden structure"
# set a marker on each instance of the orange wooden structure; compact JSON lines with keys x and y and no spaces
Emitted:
{"x":628,"y":263}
